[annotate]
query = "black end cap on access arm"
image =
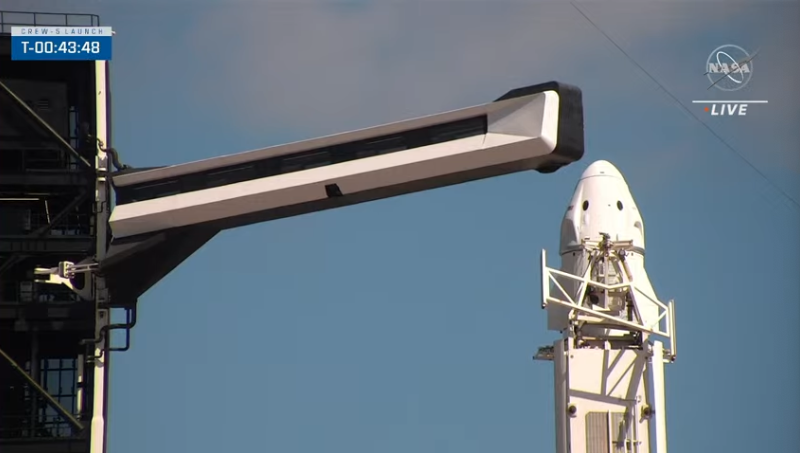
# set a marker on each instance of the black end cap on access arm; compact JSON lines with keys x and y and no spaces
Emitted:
{"x":570,"y":144}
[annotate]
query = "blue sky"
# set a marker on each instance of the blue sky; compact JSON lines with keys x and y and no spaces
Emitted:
{"x":408,"y":324}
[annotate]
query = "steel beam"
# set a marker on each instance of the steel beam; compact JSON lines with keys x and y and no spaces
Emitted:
{"x":66,"y":178}
{"x":100,"y":362}
{"x":39,"y":236}
{"x":77,"y":425}
{"x":46,"y":245}
{"x":55,"y":135}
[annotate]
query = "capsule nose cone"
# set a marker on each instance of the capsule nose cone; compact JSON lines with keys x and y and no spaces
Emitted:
{"x":601,"y":168}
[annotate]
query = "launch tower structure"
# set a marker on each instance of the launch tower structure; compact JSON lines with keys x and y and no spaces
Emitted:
{"x":54,"y":209}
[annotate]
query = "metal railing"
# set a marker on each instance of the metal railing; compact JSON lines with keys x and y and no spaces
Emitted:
{"x":26,"y":414}
{"x":10,"y":19}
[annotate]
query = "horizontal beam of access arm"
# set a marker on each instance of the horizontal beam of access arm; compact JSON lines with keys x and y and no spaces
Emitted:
{"x":536,"y":130}
{"x":172,"y":211}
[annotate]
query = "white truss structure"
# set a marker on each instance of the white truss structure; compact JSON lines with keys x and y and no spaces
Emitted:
{"x":608,"y":254}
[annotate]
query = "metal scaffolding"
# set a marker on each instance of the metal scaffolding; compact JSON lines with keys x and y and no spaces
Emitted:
{"x":54,"y":209}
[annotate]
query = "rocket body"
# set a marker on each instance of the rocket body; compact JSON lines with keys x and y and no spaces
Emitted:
{"x":609,"y":371}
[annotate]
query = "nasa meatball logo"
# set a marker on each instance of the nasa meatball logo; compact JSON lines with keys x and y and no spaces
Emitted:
{"x":729,"y":68}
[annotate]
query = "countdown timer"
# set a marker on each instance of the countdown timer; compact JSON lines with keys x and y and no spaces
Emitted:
{"x":61,"y":43}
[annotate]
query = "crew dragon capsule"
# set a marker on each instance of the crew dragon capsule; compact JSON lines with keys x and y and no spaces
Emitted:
{"x":602,"y":206}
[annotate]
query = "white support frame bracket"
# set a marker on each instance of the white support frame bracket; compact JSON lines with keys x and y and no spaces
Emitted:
{"x":666,"y":311}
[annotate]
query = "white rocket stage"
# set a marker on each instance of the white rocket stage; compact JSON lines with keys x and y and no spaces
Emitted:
{"x":609,"y":363}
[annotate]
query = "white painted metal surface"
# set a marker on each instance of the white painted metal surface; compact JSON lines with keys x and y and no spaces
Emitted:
{"x":99,"y":426}
{"x":609,"y":375}
{"x":604,"y":396}
{"x":519,"y":129}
